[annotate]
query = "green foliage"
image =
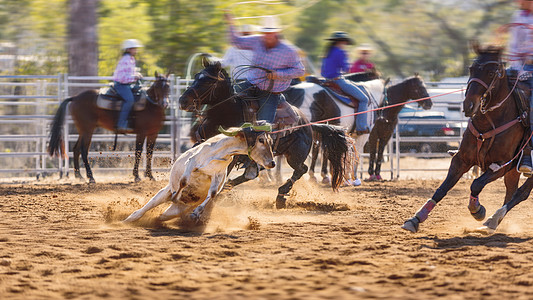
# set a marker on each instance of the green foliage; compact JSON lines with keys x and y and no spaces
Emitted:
{"x":427,"y":36}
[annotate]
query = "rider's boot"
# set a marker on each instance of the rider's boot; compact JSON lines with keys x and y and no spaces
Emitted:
{"x":526,"y":167}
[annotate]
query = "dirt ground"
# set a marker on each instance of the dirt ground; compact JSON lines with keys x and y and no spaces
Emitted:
{"x":65,"y":240}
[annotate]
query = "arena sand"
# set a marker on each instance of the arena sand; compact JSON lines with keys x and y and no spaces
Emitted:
{"x":65,"y":241}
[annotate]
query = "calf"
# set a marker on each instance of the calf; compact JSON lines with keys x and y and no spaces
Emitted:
{"x":199,"y":174}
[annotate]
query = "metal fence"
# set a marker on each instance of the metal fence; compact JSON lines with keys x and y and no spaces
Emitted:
{"x":28,"y":105}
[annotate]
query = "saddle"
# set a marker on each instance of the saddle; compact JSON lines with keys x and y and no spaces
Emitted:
{"x":521,"y":94}
{"x":335,"y":91}
{"x":109,"y":99}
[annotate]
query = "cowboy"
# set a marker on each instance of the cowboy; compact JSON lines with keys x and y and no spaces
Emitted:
{"x":521,"y":56}
{"x":334,"y":64}
{"x":236,"y":59}
{"x":363,"y":64}
{"x":275,"y":63}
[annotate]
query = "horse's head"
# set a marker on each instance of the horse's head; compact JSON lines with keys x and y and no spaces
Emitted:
{"x":208,"y":86}
{"x":485,"y":74}
{"x":160,"y":90}
{"x":417,"y":90}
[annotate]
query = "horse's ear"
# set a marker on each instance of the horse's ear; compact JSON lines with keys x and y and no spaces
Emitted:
{"x":475,"y":46}
{"x":156,"y":74}
{"x":205,"y":61}
{"x":416,"y":74}
{"x":218,"y":65}
{"x":168,"y":74}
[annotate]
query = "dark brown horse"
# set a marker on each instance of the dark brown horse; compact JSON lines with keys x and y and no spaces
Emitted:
{"x":212,"y":87}
{"x":494,"y":138}
{"x":87,"y":116}
{"x":410,"y":89}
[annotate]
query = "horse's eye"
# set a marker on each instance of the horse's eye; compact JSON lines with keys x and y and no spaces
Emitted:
{"x":491,"y":74}
{"x":261,"y":140}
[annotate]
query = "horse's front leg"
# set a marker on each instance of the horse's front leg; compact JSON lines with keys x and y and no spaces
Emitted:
{"x":139,"y":141}
{"x":296,"y":161}
{"x":457,"y":168}
{"x":520,"y":195}
{"x":150,"y":143}
{"x":476,"y":209}
{"x":314,"y":157}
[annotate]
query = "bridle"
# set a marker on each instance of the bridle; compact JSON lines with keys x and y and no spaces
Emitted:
{"x":158,"y":101}
{"x":209,"y":92}
{"x":488,"y":88}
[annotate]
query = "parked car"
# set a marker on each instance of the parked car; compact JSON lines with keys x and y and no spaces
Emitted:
{"x":414,"y":122}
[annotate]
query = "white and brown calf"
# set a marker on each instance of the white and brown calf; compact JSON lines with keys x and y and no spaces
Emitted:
{"x":199,"y":174}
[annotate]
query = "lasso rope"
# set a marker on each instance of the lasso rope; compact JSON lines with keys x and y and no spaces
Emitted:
{"x":366,"y":111}
{"x":273,"y":2}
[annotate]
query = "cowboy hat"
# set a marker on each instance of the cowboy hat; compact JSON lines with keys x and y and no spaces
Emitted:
{"x":340,"y":36}
{"x":131,"y":43}
{"x":365,"y":47}
{"x":270,"y":24}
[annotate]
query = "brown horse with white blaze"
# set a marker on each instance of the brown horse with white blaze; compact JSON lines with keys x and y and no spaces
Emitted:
{"x":87,"y":116}
{"x":493,"y":139}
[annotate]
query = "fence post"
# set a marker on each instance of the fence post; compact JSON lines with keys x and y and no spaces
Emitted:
{"x":178,"y":118}
{"x":397,"y":136}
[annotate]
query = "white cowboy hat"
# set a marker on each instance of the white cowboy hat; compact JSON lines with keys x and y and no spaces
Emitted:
{"x":365,"y":47}
{"x":131,"y":43}
{"x":270,"y":24}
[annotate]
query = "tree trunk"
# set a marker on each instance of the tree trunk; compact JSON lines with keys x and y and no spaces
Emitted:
{"x":82,"y":40}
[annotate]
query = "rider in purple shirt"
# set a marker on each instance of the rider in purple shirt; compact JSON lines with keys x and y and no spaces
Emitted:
{"x":334,"y":64}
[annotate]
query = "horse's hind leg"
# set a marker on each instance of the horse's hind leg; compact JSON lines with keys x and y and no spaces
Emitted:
{"x":85,"y":144}
{"x":520,"y":195}
{"x":163,"y":195}
{"x":457,"y":168}
{"x":139,"y":142}
{"x":510,"y":179}
{"x":324,"y":171}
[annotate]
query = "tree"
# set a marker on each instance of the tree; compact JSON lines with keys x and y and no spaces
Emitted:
{"x":82,"y":39}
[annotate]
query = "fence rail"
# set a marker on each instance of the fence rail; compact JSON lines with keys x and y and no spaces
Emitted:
{"x":28,"y":104}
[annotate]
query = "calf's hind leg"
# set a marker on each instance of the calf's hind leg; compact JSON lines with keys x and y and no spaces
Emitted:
{"x":162,"y":196}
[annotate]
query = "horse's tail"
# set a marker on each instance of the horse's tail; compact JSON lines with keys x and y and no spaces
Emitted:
{"x":56,"y":146}
{"x":337,"y":146}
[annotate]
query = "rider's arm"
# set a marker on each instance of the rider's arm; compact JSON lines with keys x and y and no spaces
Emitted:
{"x":242,"y":42}
{"x":294,"y":66}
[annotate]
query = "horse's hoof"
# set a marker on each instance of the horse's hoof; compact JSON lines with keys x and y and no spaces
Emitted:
{"x":91,"y":180}
{"x":496,"y":218}
{"x":326,"y":180}
{"x":149,"y":177}
{"x":411,"y":224}
{"x":281,"y":202}
{"x":371,"y":178}
{"x":378,"y":177}
{"x":480,"y":214}
{"x":312,"y":179}
{"x":137,"y":179}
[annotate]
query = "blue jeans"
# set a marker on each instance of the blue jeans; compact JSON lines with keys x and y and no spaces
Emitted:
{"x":268,"y":102}
{"x":361,"y":122}
{"x":124,"y":90}
{"x":529,"y":82}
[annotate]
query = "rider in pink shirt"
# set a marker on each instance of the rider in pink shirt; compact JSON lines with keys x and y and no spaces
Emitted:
{"x":123,"y":77}
{"x":362,"y":64}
